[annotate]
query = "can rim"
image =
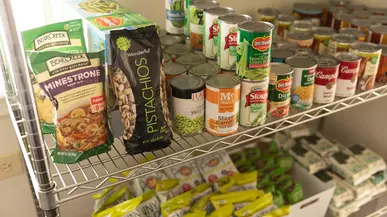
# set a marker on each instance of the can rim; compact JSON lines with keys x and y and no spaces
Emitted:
{"x":297,"y":65}
{"x":307,"y":8}
{"x":195,"y":69}
{"x":176,"y":81}
{"x":286,"y":18}
{"x":178,"y":66}
{"x":205,"y":4}
{"x":282,"y":65}
{"x":200,"y":58}
{"x":332,"y":64}
{"x":379,"y":29}
{"x":233,"y":78}
{"x":355,"y":46}
{"x":339,"y":54}
{"x":226,"y":11}
{"x":223,"y":18}
{"x":267,"y":24}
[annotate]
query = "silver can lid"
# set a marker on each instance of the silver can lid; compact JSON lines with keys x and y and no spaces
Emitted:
{"x":270,"y":12}
{"x":336,"y":9}
{"x":361,"y":22}
{"x":235,"y":18}
{"x":347,"y":57}
{"x":300,"y":35}
{"x":379,"y":29}
{"x":223,"y":81}
{"x":174,"y":69}
{"x":305,"y":51}
{"x":205,"y":4}
{"x":378,"y":11}
{"x":256,"y":26}
{"x":353,"y":31}
{"x":325,"y":61}
{"x":169,"y":40}
{"x":307,"y":8}
{"x":287,"y":45}
{"x":282,"y":53}
{"x":281,"y":69}
{"x":354,"y":7}
{"x":344,"y":38}
{"x":191,"y":59}
{"x":220,"y":11}
{"x":342,"y":16}
{"x":178,"y":49}
{"x":323,"y":31}
{"x":303,"y":24}
{"x":286,"y":18}
{"x":376,"y":19}
{"x":366,"y":47}
{"x":187,"y":82}
{"x":361,"y":14}
{"x":205,"y":70}
{"x":162,"y":33}
{"x":301,"y":61}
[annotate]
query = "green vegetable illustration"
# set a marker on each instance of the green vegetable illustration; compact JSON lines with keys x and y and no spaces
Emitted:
{"x":177,"y":5}
{"x":184,"y":125}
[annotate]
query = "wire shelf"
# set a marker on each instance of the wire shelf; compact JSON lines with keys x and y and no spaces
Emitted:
{"x":92,"y":175}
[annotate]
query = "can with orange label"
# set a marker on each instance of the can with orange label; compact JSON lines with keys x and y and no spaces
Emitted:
{"x":222,"y":104}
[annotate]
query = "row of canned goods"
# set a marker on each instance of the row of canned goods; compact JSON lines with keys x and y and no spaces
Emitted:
{"x":221,"y":102}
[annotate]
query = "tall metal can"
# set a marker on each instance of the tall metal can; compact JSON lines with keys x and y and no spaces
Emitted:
{"x":370,"y":54}
{"x":187,"y":4}
{"x":211,"y":30}
{"x":254,"y":55}
{"x":174,"y":16}
{"x":348,"y":72}
{"x":283,"y":24}
{"x":280,"y":85}
{"x":196,"y":22}
{"x":227,"y":42}
{"x":303,"y":80}
{"x":321,"y":36}
{"x":253,"y":108}
{"x":326,"y":79}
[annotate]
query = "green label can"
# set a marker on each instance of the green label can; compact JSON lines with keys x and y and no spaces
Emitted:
{"x":254,"y":53}
{"x":280,"y":85}
{"x":253,"y":102}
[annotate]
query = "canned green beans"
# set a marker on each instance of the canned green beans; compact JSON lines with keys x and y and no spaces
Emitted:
{"x":187,"y":97}
{"x":253,"y":108}
{"x":174,"y":16}
{"x":211,"y":30}
{"x":254,"y":55}
{"x":227,"y":44}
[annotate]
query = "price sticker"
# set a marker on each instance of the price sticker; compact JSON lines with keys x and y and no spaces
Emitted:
{"x":97,"y":104}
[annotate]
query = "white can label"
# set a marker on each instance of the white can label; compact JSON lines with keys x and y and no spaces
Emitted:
{"x":253,"y":103}
{"x":227,"y":45}
{"x":188,"y":114}
{"x":346,"y":82}
{"x":210,"y":35}
{"x":325,"y":85}
{"x":222,"y":110}
{"x":174,"y":16}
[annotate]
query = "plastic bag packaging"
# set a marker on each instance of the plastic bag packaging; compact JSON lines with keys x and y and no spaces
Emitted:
{"x":66,"y":37}
{"x":204,"y":204}
{"x":319,"y":144}
{"x":148,"y":182}
{"x":307,"y":158}
{"x":187,"y":173}
{"x":128,"y":208}
{"x":258,"y":207}
{"x":177,"y":206}
{"x":215,"y":166}
{"x":283,"y":141}
{"x":239,"y":198}
{"x":167,"y":189}
{"x":298,"y":132}
{"x":201,"y":191}
{"x":74,"y":84}
{"x":349,"y":168}
{"x":196,"y":214}
{"x":280,"y":212}
{"x":373,"y":161}
{"x":345,"y":210}
{"x":241,"y":182}
{"x":379,"y":178}
{"x":139,"y":84}
{"x":224,"y":211}
{"x":150,"y":205}
{"x":360,"y":191}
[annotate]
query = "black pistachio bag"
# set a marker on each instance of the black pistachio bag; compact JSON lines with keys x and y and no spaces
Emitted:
{"x":139,"y":85}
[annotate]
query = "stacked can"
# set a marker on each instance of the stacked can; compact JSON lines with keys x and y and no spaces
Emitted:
{"x":341,"y":20}
{"x":283,"y":24}
{"x":361,"y":36}
{"x":280,"y":85}
{"x":370,"y":54}
{"x":205,"y":70}
{"x":228,"y":35}
{"x":307,"y":11}
{"x":326,"y":79}
{"x":187,"y":4}
{"x":361,"y":14}
{"x":382,"y":72}
{"x":301,"y":26}
{"x":340,"y":42}
{"x":211,"y":30}
{"x":348,"y":73}
{"x":378,"y":34}
{"x":279,"y":55}
{"x":332,"y":12}
{"x":268,"y":14}
{"x":196,"y":22}
{"x":321,"y":36}
{"x":303,"y":80}
{"x":361,"y":24}
{"x":191,"y":60}
{"x":304,"y":39}
{"x":174,"y":16}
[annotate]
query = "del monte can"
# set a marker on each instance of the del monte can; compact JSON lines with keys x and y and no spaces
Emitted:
{"x":254,"y":54}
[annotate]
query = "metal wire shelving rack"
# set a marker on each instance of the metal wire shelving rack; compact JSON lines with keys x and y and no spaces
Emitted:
{"x":55,"y":184}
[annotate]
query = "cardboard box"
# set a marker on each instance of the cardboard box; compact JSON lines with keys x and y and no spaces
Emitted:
{"x":99,"y":20}
{"x":317,"y":194}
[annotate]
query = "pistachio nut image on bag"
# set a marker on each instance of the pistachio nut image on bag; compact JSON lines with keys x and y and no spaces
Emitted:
{"x":65,"y":37}
{"x":74,"y":84}
{"x":139,"y":84}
